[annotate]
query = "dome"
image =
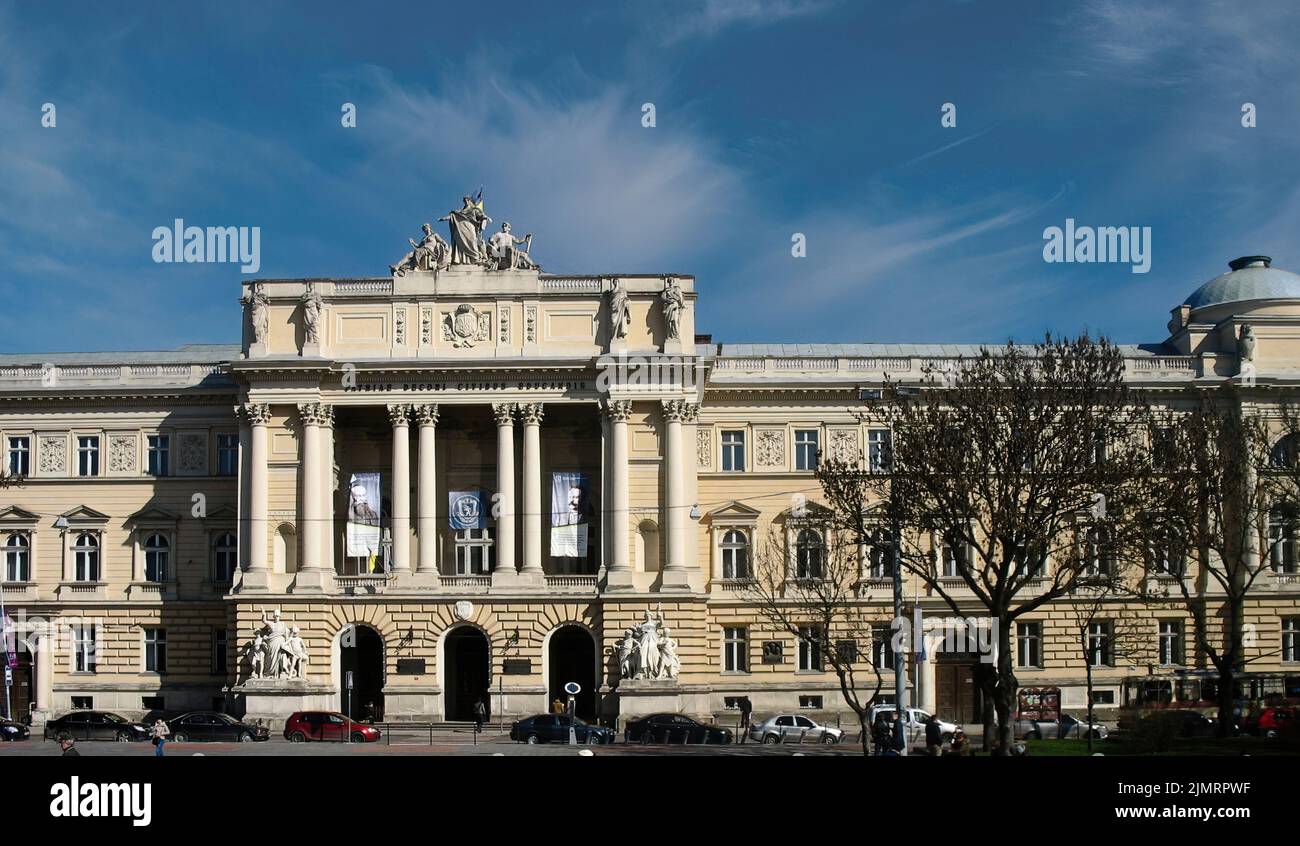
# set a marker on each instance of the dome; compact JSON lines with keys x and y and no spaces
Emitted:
{"x":1251,"y":278}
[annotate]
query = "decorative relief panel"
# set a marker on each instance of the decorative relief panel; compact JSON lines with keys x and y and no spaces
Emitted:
{"x":704,"y":446}
{"x":844,"y":445}
{"x":505,"y":325}
{"x":466,"y":326}
{"x":399,"y":327}
{"x":426,"y":326}
{"x":53,"y":456}
{"x":121,"y":453}
{"x":192,"y":453}
{"x":530,"y":324}
{"x":770,"y":448}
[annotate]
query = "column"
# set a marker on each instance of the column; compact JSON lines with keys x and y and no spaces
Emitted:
{"x":327,"y":487}
{"x":43,"y":656}
{"x":259,"y":415}
{"x":674,"y":576}
{"x":427,"y":492}
{"x":245,"y":465}
{"x":504,"y":413}
{"x":531,"y":416}
{"x":311,"y":570}
{"x":400,"y":415}
{"x":619,"y":571}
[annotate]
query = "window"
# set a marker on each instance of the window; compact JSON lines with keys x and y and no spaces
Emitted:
{"x":731,"y":703}
{"x":474,"y":552}
{"x":879,"y":453}
{"x":735,"y":555}
{"x":846,"y":652}
{"x":1098,"y":555}
{"x":159,"y":454}
{"x":1171,"y":642}
{"x":1099,"y":642}
{"x":155,"y":650}
{"x":733,"y":451}
{"x":1285,"y":452}
{"x":83,"y":650}
{"x":1029,"y":644}
{"x":219,"y":652}
{"x":225,"y":556}
{"x":1281,"y":542}
{"x":880,"y":555}
{"x":1103,"y":697}
{"x":156,"y":550}
{"x":735,"y":649}
{"x":152,"y":703}
{"x":20,"y":455}
{"x":88,"y":455}
{"x":1163,"y":448}
{"x":1100,"y":446}
{"x":1167,"y":557}
{"x":948,"y":553}
{"x":85,"y":553}
{"x":18,"y":558}
{"x":882,"y":646}
{"x":83,"y":703}
{"x":811,"y":702}
{"x":227,"y":455}
{"x":810,"y":648}
{"x":805,"y":449}
{"x":1291,"y":639}
{"x":808,"y":554}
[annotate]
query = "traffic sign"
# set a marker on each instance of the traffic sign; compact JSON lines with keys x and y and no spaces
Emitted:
{"x":573,"y":688}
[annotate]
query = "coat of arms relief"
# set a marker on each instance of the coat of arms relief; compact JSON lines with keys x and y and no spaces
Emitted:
{"x":466,"y":326}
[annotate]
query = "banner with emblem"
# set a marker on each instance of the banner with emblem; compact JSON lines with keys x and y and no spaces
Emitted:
{"x":466,"y":510}
{"x":570,"y":514}
{"x":364,"y":505}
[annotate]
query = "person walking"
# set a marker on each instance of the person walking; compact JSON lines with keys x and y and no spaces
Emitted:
{"x":898,"y":743}
{"x":480,"y":715}
{"x":69,"y":747}
{"x":746,"y":708}
{"x":933,"y":737}
{"x":160,"y":733}
{"x":880,"y":734}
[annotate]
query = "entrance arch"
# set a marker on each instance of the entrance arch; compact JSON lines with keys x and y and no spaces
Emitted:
{"x":571,"y":657}
{"x":467,"y":672}
{"x":361,"y":652}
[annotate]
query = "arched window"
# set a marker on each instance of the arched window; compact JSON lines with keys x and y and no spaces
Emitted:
{"x":1286,"y":452}
{"x":86,"y":557}
{"x":474,"y":552}
{"x":225,"y":557}
{"x":156,"y":551}
{"x":735,"y":555}
{"x":809,"y":552}
{"x":18,"y":558}
{"x":1281,"y":542}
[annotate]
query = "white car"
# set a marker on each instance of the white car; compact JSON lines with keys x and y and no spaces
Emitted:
{"x":915,"y":721}
{"x":793,"y":728}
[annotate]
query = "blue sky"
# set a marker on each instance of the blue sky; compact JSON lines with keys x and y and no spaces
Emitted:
{"x":773,"y":117}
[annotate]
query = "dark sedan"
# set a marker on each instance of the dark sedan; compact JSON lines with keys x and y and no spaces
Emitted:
{"x":554,"y":728}
{"x":9,"y":730}
{"x":95,"y":725}
{"x":1183,"y":722}
{"x":214,"y":726}
{"x":673,"y":728}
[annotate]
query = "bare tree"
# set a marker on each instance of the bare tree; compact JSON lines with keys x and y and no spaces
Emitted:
{"x":1212,"y":487}
{"x":1108,"y":627}
{"x":812,"y":592}
{"x":1004,"y":460}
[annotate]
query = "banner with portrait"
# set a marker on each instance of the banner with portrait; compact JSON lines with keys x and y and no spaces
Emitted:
{"x":364,"y":509}
{"x":466,"y":510}
{"x":570,"y":514}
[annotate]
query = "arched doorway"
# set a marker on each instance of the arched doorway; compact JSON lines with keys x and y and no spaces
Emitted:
{"x":361,"y":653}
{"x":571,"y":656}
{"x":23,"y":692}
{"x":467,"y":673}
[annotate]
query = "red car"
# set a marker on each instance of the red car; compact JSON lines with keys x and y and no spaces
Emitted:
{"x":1277,"y":721}
{"x":328,"y":726}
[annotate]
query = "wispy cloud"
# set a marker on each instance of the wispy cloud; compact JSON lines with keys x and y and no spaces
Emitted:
{"x":708,"y":18}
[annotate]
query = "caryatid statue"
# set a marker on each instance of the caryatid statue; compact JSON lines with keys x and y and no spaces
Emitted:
{"x":674,"y":301}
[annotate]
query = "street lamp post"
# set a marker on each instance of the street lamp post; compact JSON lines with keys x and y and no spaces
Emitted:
{"x":900,"y":655}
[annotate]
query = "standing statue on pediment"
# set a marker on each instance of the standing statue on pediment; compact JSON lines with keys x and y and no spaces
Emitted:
{"x":259,"y":312}
{"x":467,"y":224}
{"x":311,"y":309}
{"x":620,"y":312}
{"x":674,"y":302}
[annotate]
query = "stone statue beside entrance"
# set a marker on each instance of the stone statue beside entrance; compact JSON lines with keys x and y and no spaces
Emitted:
{"x":648,"y":651}
{"x":276,"y":651}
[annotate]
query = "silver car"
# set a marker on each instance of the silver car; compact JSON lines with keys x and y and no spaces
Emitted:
{"x":793,"y":728}
{"x":1066,"y":727}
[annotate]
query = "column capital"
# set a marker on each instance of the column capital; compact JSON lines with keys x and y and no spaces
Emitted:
{"x":256,"y":413}
{"x":680,"y":411}
{"x":399,"y":414}
{"x":504,"y":413}
{"x":314,"y":413}
{"x":617,"y":411}
{"x":427,"y":414}
{"x":530,"y":413}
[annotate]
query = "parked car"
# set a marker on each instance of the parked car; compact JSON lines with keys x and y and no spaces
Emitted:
{"x":95,"y":725}
{"x":1067,"y":726}
{"x":914,"y":721}
{"x":213,"y":725}
{"x":1275,"y":721}
{"x":554,"y":728}
{"x":1186,"y":722}
{"x":793,"y":728}
{"x":327,"y":726}
{"x":9,"y":730}
{"x":673,"y":728}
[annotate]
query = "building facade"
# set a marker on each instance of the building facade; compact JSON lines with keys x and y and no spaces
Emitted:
{"x":461,"y":482}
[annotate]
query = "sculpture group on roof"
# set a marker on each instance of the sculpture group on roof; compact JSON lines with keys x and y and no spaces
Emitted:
{"x":468,"y":246}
